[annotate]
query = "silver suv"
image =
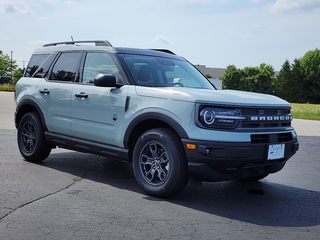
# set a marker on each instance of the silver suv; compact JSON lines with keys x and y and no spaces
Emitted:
{"x":152,"y":108}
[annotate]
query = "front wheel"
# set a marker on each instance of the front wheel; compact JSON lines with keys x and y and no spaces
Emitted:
{"x":31,"y":140}
{"x":159,"y":163}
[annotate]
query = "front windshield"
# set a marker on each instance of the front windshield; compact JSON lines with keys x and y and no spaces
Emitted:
{"x":164,"y":72}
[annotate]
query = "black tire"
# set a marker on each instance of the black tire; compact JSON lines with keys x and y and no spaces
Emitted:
{"x":31,"y":140}
{"x":159,"y":163}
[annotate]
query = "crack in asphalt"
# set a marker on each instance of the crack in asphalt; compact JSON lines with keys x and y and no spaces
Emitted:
{"x":96,"y":162}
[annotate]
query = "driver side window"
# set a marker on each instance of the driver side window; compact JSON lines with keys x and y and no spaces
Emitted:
{"x":98,"y":63}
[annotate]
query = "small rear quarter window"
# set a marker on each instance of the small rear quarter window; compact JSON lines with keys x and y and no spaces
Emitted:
{"x":35,"y":61}
{"x":42,"y":71}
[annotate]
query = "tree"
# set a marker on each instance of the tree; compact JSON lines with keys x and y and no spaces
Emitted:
{"x":300,"y":81}
{"x":282,"y":82}
{"x":17,"y":74}
{"x":310,"y":69}
{"x":297,"y":87}
{"x":266,"y":78}
{"x":231,"y":78}
{"x":252,"y":79}
{"x":290,"y":82}
{"x":6,"y":66}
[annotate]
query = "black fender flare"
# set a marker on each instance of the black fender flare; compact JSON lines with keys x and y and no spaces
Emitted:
{"x":153,"y":116}
{"x":32,"y":103}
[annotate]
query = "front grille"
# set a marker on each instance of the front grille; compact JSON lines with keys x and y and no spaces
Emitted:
{"x":265,"y":117}
{"x":245,"y":124}
{"x":271,"y":138}
{"x":284,"y":137}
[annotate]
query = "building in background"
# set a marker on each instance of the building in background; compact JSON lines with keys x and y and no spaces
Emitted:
{"x":215,"y":73}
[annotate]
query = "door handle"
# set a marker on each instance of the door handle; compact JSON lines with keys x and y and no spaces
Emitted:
{"x":81,"y":95}
{"x":45,"y":91}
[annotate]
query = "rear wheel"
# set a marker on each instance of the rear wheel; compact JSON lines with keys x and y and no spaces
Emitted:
{"x":159,"y":163}
{"x":31,"y":140}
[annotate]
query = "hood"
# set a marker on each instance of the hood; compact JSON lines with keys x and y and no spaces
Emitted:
{"x":229,"y":97}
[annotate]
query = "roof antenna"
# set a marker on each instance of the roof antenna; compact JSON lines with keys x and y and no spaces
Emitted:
{"x":72,"y":39}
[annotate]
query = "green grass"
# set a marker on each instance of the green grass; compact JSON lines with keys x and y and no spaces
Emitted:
{"x":7,"y":87}
{"x":306,"y":111}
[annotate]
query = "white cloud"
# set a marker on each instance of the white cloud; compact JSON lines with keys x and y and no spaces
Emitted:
{"x":59,"y":2}
{"x":161,"y":39}
{"x":295,"y":5}
{"x":37,"y":42}
{"x":18,"y":7}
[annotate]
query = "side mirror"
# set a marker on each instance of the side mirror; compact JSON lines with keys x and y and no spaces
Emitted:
{"x":106,"y":80}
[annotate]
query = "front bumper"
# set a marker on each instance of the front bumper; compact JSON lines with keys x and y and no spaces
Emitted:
{"x":222,"y":161}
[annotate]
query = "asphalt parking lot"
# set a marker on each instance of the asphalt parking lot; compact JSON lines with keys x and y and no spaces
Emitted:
{"x":82,"y":196}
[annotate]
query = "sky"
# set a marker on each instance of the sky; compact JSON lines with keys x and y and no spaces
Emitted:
{"x":215,"y":33}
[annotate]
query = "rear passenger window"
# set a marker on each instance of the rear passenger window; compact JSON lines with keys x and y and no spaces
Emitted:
{"x":34,"y":63}
{"x":66,"y":67}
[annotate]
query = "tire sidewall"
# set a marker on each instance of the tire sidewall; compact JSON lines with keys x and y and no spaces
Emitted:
{"x":168,"y":186}
{"x":37,"y":154}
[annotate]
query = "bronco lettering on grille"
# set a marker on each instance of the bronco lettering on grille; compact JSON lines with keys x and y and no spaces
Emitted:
{"x":270,"y":118}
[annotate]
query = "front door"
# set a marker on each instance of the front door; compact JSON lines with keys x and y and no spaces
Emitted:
{"x":97,"y":113}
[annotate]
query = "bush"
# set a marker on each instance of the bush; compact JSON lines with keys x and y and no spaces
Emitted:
{"x":7,"y":87}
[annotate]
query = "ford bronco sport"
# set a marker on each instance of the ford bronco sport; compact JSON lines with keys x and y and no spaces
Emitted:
{"x":152,"y":108}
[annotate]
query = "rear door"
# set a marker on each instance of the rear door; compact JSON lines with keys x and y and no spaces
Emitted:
{"x":55,"y":92}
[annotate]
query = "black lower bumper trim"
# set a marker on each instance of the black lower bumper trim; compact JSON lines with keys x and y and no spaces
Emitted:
{"x":221,"y":161}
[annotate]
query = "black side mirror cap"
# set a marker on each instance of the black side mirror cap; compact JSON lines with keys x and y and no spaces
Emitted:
{"x":106,"y":80}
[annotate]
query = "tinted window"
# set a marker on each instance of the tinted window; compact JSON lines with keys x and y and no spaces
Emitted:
{"x":66,"y":66}
{"x":34,"y":63}
{"x":96,"y":63}
{"x":44,"y":67}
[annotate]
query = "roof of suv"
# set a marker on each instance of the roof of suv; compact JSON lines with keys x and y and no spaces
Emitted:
{"x":151,"y":52}
{"x":101,"y":45}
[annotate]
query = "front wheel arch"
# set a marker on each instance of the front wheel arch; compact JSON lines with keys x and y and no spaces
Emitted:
{"x":145,"y":122}
{"x":149,"y":120}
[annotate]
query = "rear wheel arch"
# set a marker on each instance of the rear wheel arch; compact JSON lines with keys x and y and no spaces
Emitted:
{"x":31,"y":139}
{"x":26,"y":107}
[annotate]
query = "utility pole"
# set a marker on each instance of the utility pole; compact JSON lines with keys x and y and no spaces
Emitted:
{"x":11,"y":65}
{"x":23,"y":61}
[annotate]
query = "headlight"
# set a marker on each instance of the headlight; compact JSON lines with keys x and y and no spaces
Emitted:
{"x":208,"y":116}
{"x":215,"y":117}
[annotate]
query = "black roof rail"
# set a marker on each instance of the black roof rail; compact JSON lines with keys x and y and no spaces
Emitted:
{"x":164,"y":50}
{"x":96,"y":42}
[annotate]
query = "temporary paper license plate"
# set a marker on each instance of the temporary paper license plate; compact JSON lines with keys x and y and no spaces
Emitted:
{"x":276,"y":151}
